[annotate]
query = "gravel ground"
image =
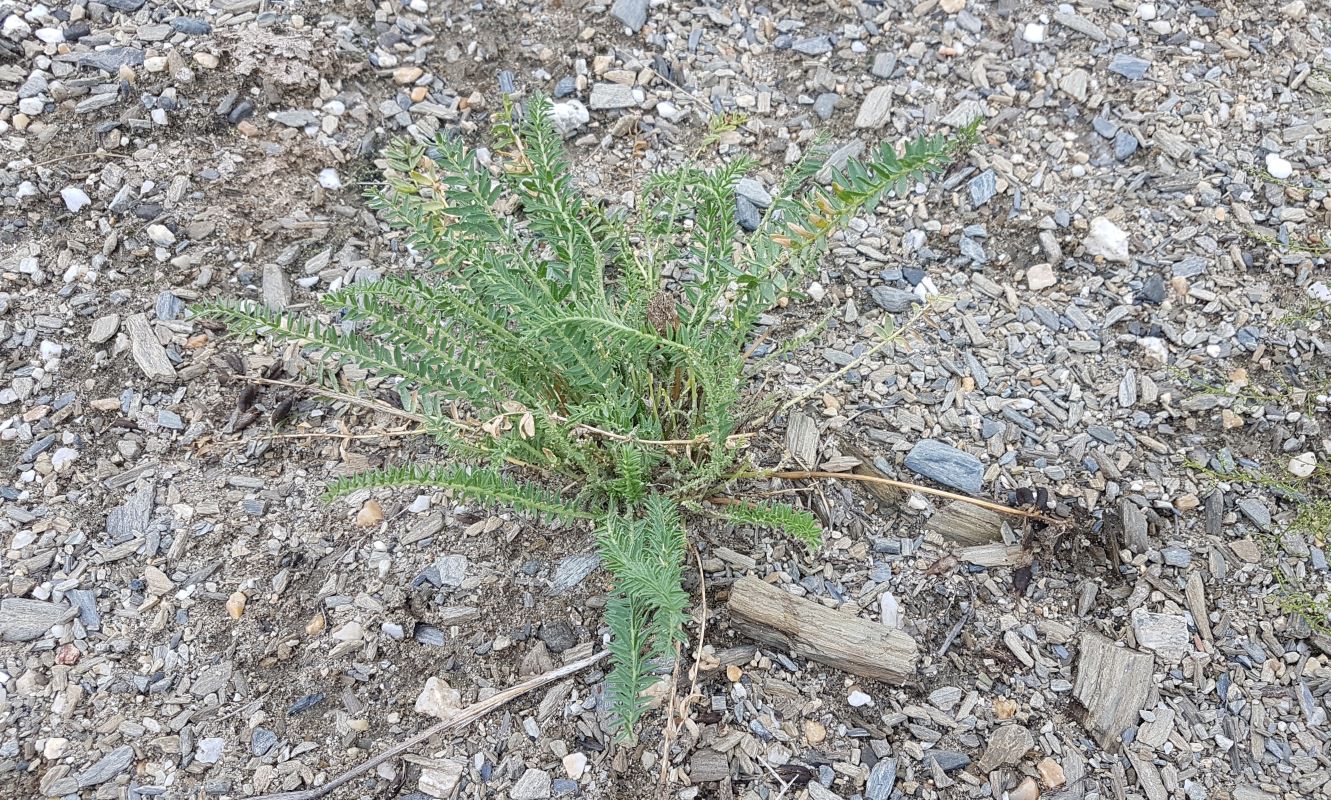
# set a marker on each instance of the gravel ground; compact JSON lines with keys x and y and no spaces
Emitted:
{"x":1134,"y":261}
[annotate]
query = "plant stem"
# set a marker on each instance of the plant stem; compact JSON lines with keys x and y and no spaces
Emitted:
{"x":915,"y":487}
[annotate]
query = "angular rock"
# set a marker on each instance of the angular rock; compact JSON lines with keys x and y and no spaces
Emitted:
{"x":276,"y":287}
{"x":1134,"y":527}
{"x":23,"y":619}
{"x":611,"y":95}
{"x":893,"y":300}
{"x":572,"y":570}
{"x":1112,"y":685}
{"x":109,"y":766}
{"x":1107,"y":240}
{"x":1130,"y":67}
{"x":633,"y":13}
{"x":876,"y":109}
{"x":946,"y":464}
{"x":533,"y":785}
{"x":131,"y":519}
{"x":148,"y":352}
{"x":441,"y":777}
{"x":568,"y":116}
{"x":982,"y":188}
{"x":1165,"y":634}
{"x":881,"y":779}
{"x":1006,"y":746}
{"x":438,"y":699}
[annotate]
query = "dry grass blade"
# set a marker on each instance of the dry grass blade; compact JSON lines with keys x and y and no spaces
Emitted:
{"x":914,"y":487}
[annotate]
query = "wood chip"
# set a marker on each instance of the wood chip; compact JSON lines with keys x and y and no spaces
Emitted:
{"x":775,"y":617}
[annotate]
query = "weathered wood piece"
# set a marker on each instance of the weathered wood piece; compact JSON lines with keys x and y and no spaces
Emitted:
{"x":775,"y":617}
{"x":966,"y":524}
{"x":1112,"y":683}
{"x":995,"y":554}
{"x":802,"y":439}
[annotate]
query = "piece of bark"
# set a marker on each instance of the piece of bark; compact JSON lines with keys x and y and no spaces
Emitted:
{"x":888,"y":496}
{"x":1195,"y":593}
{"x":708,"y":766}
{"x":1112,"y":684}
{"x":966,"y":523}
{"x":802,"y":439}
{"x":996,"y":554}
{"x":775,"y":617}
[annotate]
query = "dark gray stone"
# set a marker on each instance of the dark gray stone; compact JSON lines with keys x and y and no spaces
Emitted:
{"x":947,"y":465}
{"x":746,"y":214}
{"x":37,"y":448}
{"x":261,"y":741}
{"x":1153,"y":291}
{"x":566,"y":86}
{"x":558,"y":635}
{"x":948,"y":760}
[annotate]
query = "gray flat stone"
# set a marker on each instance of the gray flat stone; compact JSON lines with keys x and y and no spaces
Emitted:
{"x":876,"y":109}
{"x":947,"y":465}
{"x":276,"y":287}
{"x":633,"y":13}
{"x":148,"y":352}
{"x":112,"y":764}
{"x":893,"y":300}
{"x":131,"y":519}
{"x":533,"y":785}
{"x":611,"y":95}
{"x":22,"y":619}
{"x":572,"y":570}
{"x":1130,"y":67}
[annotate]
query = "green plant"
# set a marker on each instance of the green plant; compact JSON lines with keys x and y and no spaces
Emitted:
{"x":597,"y":390}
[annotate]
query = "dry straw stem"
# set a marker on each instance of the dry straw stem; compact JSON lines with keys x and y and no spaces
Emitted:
{"x":796,"y":475}
{"x":476,"y":426}
{"x":464,"y":717}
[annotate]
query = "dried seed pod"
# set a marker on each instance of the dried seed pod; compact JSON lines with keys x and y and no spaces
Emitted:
{"x":234,"y":363}
{"x":245,"y":420}
{"x":274,"y":370}
{"x":283,"y":410}
{"x":245,"y":400}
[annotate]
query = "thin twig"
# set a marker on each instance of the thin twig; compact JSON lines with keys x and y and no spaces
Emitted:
{"x":74,"y":156}
{"x":956,"y":631}
{"x":369,"y":405}
{"x":467,"y":715}
{"x":472,"y":425}
{"x":388,"y":434}
{"x":848,"y":476}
